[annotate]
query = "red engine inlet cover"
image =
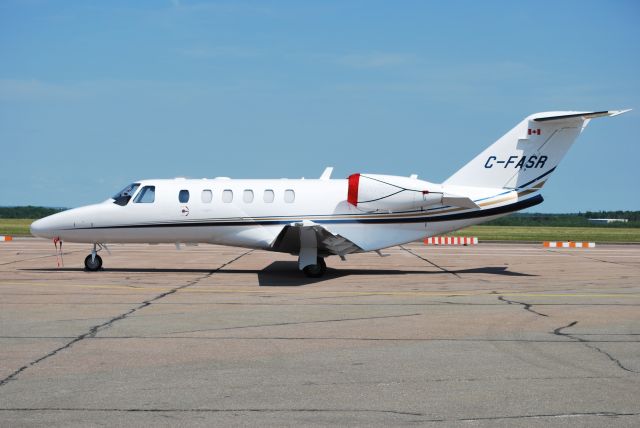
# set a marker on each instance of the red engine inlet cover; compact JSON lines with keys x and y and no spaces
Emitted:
{"x":352,"y":196}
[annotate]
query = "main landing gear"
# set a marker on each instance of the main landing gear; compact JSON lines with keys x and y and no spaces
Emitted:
{"x":317,"y":270}
{"x":93,"y":262}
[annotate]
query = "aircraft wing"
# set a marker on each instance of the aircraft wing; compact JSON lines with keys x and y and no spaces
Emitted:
{"x":289,"y":239}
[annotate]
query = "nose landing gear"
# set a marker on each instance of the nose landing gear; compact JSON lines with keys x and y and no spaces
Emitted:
{"x":93,"y":262}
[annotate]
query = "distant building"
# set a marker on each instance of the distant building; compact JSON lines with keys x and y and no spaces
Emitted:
{"x":607,"y":220}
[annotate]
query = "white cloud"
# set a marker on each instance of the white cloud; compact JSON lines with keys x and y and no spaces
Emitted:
{"x":11,"y":89}
{"x":210,"y":52}
{"x":36,"y":90}
{"x":377,"y":59}
{"x":220,"y":8}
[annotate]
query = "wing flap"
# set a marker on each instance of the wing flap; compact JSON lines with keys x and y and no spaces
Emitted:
{"x":288,"y":240}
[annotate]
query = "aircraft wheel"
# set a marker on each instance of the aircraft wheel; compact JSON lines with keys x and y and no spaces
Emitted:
{"x":93,"y":265}
{"x":317,"y":270}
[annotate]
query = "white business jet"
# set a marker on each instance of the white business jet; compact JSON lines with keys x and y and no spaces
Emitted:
{"x":317,"y":218}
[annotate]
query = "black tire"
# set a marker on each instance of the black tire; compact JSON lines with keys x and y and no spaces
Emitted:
{"x":317,"y":270}
{"x":93,"y":265}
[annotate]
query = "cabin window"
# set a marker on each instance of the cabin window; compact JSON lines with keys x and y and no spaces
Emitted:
{"x":247,"y":196}
{"x":146,"y":196}
{"x":289,"y":196}
{"x":227,"y":196}
{"x":207,"y":196}
{"x":268,"y":196}
{"x":183,"y":196}
{"x":122,"y":197}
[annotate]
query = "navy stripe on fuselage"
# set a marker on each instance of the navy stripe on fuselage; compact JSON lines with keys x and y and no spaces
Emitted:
{"x":520,"y":205}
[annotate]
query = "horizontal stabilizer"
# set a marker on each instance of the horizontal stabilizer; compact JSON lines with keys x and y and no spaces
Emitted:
{"x":581,"y":115}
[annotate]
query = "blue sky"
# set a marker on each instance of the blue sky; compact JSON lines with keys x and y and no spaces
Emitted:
{"x":96,"y":94}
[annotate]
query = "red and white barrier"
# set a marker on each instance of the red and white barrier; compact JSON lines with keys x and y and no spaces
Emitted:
{"x":451,"y":240}
{"x":6,"y":238}
{"x":569,"y":244}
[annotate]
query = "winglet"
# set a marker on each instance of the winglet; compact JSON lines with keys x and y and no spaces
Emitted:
{"x":326,"y":174}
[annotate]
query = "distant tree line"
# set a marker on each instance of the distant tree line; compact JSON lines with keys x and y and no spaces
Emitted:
{"x":517,"y":219}
{"x":568,"y":220}
{"x":28,"y":212}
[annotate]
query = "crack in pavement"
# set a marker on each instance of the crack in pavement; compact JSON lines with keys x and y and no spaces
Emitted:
{"x":551,"y":415}
{"x":91,"y":333}
{"x":364,"y":339}
{"x":429,"y":416}
{"x":452,"y":380}
{"x":589,"y":344}
{"x":576,"y":254}
{"x":431,"y":303}
{"x":292,"y":323}
{"x":526,"y":306}
{"x":429,"y":261}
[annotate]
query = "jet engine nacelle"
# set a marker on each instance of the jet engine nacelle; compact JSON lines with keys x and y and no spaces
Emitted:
{"x":391,"y":192}
{"x":373,"y":192}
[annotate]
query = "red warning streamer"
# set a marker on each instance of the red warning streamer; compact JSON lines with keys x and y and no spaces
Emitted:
{"x":59,"y":258}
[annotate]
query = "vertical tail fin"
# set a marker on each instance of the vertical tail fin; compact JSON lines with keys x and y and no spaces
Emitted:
{"x":526,"y":155}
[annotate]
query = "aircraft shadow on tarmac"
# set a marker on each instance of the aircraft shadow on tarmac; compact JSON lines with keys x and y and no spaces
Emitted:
{"x":286,"y":273}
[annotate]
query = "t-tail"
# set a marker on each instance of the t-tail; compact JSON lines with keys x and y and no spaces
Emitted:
{"x":525,"y":157}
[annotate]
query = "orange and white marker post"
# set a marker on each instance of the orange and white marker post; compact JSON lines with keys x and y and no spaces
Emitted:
{"x":568,"y":244}
{"x":451,"y":240}
{"x":6,"y":238}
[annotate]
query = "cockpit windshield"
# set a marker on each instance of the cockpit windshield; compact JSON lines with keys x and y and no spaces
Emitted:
{"x":123,"y":196}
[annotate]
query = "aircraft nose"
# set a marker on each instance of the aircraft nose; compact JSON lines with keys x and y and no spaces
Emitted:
{"x":44,"y":228}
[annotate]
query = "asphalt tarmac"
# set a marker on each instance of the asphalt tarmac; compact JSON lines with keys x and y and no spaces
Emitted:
{"x":494,"y":335}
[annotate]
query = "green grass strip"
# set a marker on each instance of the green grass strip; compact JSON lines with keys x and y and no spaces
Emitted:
{"x":541,"y":233}
{"x":20,"y":227}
